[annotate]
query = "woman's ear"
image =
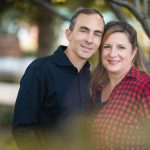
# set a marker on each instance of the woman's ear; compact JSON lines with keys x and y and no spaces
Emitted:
{"x":68,"y":34}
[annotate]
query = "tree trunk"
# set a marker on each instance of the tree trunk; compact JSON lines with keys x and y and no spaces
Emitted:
{"x":47,"y":35}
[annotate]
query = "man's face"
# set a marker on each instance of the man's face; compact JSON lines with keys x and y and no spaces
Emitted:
{"x":85,"y":38}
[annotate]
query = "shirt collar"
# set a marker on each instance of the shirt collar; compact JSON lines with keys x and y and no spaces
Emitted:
{"x":133,"y":73}
{"x":62,"y":60}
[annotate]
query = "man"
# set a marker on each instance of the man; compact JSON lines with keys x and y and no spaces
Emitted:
{"x":54,"y":89}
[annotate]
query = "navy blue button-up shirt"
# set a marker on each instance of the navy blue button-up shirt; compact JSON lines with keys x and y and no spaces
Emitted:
{"x":51,"y":90}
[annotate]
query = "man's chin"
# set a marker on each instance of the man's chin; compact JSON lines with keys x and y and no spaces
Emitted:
{"x":86,"y":57}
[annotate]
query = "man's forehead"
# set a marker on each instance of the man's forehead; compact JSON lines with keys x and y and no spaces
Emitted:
{"x":89,"y":22}
{"x":88,"y":16}
{"x":89,"y":19}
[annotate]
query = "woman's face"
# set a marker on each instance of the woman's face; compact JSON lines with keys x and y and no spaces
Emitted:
{"x":117,"y":53}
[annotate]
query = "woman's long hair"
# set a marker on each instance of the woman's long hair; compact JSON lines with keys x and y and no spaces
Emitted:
{"x":100,"y":75}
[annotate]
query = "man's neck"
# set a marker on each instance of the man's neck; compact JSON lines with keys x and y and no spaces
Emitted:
{"x":76,"y":61}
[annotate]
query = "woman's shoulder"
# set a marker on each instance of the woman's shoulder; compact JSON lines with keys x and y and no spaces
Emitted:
{"x":138,"y":79}
{"x":140,"y":76}
{"x":143,"y":80}
{"x":143,"y":76}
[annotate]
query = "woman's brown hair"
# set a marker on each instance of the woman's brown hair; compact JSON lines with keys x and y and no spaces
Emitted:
{"x":99,"y":75}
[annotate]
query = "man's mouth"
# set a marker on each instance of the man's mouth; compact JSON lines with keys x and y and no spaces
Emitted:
{"x":86,"y":47}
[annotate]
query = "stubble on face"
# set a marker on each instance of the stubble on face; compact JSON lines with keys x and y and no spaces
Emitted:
{"x":85,"y":38}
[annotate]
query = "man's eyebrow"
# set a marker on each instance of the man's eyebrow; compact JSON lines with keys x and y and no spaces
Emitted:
{"x":86,"y":28}
{"x":83,"y":27}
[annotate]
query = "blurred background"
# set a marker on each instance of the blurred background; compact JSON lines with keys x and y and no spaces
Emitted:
{"x":34,"y":28}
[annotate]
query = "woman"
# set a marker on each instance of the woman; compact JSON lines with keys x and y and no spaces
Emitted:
{"x":122,"y":87}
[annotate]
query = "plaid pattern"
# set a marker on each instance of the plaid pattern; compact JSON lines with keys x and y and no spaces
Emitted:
{"x":123,"y":123}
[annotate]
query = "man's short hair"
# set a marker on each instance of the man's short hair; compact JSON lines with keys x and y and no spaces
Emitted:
{"x":87,"y":11}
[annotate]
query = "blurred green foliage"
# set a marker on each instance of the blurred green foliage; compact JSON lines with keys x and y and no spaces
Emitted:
{"x":6,"y":138}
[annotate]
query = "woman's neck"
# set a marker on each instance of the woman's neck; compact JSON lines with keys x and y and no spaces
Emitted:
{"x":116,"y":78}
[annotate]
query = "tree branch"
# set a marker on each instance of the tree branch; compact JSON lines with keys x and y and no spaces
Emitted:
{"x":142,"y":19}
{"x":52,"y":9}
{"x":117,"y":11}
{"x":127,"y":5}
{"x":145,"y":11}
{"x":137,"y":5}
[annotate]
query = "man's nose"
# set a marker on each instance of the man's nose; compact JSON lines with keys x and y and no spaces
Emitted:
{"x":89,"y":38}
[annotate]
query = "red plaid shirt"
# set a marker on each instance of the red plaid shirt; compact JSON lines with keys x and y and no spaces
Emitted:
{"x":123,"y":123}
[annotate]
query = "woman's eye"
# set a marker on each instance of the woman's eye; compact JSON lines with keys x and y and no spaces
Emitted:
{"x":121,"y":47}
{"x":106,"y":46}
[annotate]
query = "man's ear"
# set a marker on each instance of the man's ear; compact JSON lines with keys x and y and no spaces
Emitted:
{"x":68,"y":34}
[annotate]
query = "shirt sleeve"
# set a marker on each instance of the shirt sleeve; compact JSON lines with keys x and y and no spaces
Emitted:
{"x":29,"y":98}
{"x":146,"y":112}
{"x":26,"y":109}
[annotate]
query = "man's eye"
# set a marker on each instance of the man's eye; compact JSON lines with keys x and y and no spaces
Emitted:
{"x":83,"y":30}
{"x":98,"y":34}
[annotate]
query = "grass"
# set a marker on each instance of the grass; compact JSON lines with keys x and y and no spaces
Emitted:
{"x":6,"y":138}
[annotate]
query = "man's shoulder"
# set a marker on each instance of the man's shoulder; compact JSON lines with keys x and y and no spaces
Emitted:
{"x":50,"y":59}
{"x":43,"y":61}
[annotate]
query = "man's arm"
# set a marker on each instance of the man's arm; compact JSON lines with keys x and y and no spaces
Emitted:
{"x":26,"y":110}
{"x":27,"y":139}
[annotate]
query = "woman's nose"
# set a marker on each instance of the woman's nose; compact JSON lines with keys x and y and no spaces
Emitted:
{"x":113,"y":52}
